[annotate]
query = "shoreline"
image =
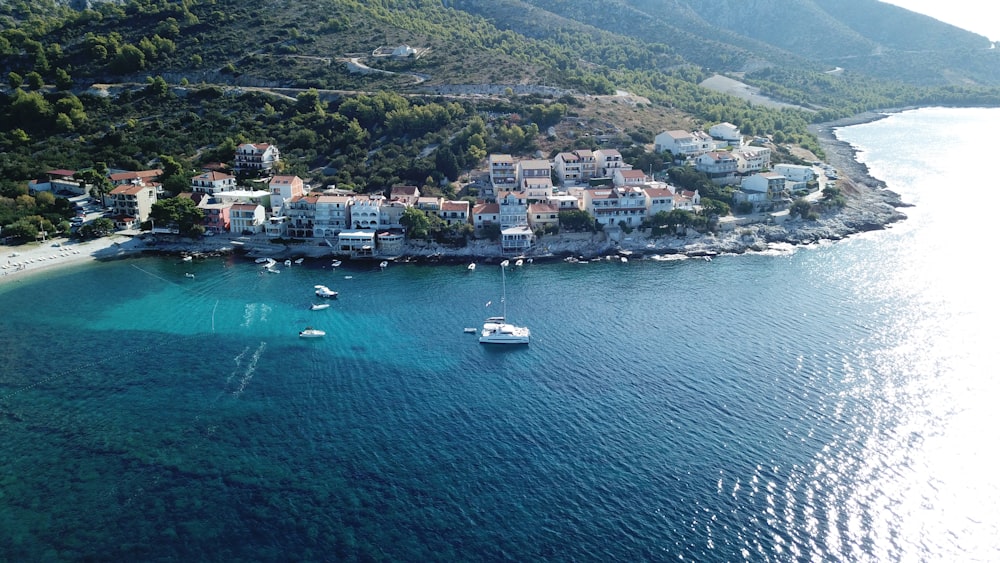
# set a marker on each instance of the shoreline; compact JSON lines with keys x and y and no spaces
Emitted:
{"x":870,"y":206}
{"x":28,"y":260}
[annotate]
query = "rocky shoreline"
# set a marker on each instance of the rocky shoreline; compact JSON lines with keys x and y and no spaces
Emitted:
{"x":870,"y":206}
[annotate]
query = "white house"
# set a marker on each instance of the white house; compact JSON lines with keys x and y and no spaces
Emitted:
{"x":611,"y":205}
{"x":682,"y":143}
{"x":405,"y":194}
{"x":566,"y":202}
{"x":503,"y":172}
{"x":543,"y":216}
{"x":719,"y":166}
{"x":535,"y":179}
{"x":365,"y":212}
{"x":513,"y":209}
{"x":588,"y":164}
{"x":485,"y":214}
{"x":283,"y":188}
{"x":659,"y":197}
{"x":246,"y":218}
{"x":516,"y":240}
{"x":727,"y":132}
{"x":629,"y":177}
{"x":796,"y":175}
{"x":454,"y":212}
{"x":132,"y":201}
{"x":751,"y":159}
{"x":332,"y":215}
{"x":212,"y":183}
{"x":356,"y":243}
{"x":301,"y":214}
{"x":608,"y":161}
{"x":567,"y":167}
{"x":256,"y":158}
{"x":770,"y":183}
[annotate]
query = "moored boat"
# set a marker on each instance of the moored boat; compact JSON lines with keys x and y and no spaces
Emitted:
{"x":471,"y":266}
{"x":496,"y":330}
{"x":319,"y":306}
{"x":324,"y":291}
{"x":310,"y":332}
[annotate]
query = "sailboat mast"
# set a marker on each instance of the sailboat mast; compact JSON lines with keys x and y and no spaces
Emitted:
{"x":503,"y":297}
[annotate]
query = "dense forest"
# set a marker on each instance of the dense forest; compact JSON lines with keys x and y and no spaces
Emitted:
{"x":178,"y":84}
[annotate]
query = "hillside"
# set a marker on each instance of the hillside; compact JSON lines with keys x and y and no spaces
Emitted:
{"x":192,"y":78}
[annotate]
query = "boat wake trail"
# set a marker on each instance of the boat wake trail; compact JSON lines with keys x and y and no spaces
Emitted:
{"x":248,"y":370}
{"x":255,"y":312}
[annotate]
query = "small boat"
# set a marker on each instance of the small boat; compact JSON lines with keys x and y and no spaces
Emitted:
{"x":336,"y":263}
{"x":310,"y":332}
{"x":299,"y":260}
{"x":186,"y":258}
{"x":469,"y":330}
{"x":188,"y":275}
{"x":471,"y":266}
{"x":319,"y":306}
{"x":624,"y":260}
{"x":520,"y":262}
{"x":323,"y":291}
{"x":288,"y":263}
{"x":383,"y":264}
{"x":348,"y":277}
{"x":262,"y":260}
{"x":505,"y":263}
{"x":271,"y":270}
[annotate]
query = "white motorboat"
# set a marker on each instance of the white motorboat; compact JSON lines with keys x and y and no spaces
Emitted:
{"x":471,"y":266}
{"x":288,"y":263}
{"x":310,"y":332}
{"x":469,"y":330}
{"x":299,"y":260}
{"x":383,"y":264}
{"x":520,"y":262}
{"x":505,"y":263}
{"x":263,"y":260}
{"x":336,"y":263}
{"x":496,"y":330}
{"x":323,"y":291}
{"x":319,"y":306}
{"x":187,"y":258}
{"x":188,"y":275}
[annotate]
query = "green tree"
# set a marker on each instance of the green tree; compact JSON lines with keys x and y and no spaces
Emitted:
{"x":35,"y":80}
{"x":416,"y":223}
{"x":63,"y":80}
{"x":15,"y":80}
{"x":576,"y":220}
{"x":130,"y":59}
{"x":100,"y":227}
{"x":179,"y":212}
{"x":22,"y":229}
{"x":800,"y":207}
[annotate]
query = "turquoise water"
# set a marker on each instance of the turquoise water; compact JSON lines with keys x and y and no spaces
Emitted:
{"x":833,"y":403}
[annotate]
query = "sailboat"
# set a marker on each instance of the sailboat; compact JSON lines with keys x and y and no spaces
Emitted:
{"x":496,"y":330}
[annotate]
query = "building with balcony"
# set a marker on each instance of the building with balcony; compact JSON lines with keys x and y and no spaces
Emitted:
{"x":132,"y":200}
{"x":256,"y":158}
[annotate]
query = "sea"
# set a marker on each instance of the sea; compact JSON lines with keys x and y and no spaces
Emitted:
{"x":833,"y":402}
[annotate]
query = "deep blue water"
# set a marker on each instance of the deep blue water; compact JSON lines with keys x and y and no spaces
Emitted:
{"x":834,"y":403}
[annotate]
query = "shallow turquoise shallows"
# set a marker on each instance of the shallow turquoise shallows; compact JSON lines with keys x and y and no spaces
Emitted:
{"x":832,"y":403}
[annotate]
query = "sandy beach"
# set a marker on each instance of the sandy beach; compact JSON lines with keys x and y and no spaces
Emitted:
{"x":20,"y":261}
